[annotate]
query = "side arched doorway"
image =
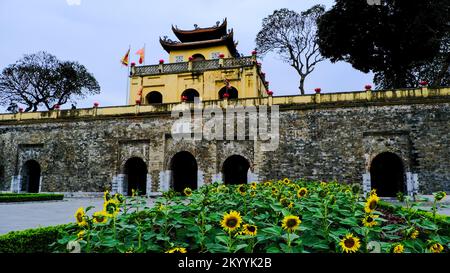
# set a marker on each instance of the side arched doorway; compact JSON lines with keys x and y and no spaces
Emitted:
{"x":136,"y":175}
{"x":184,"y":171}
{"x":154,"y":97}
{"x":31,"y":176}
{"x":387,"y":174}
{"x":232,"y":93}
{"x":235,"y":169}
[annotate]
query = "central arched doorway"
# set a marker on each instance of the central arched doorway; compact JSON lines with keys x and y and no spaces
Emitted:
{"x":154,"y":97}
{"x":190,"y":94}
{"x":387,"y":174}
{"x":231,"y":91}
{"x":184,"y":171}
{"x":235,"y":169}
{"x":136,"y":174}
{"x":31,"y":176}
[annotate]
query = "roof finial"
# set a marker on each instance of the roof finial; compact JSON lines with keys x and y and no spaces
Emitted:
{"x":195,"y":26}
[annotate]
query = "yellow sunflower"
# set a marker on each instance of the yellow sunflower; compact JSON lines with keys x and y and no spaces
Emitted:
{"x":119,"y":198}
{"x":133,"y":192}
{"x":231,"y":221}
{"x":414,"y":234}
{"x":302,"y":192}
{"x":177,"y":250}
{"x":290,"y":223}
{"x":268,"y":183}
{"x":369,"y":220}
{"x":187,"y":191}
{"x":106,"y":196}
{"x":440,"y":195}
{"x":253,"y":185}
{"x":436,"y":248}
{"x":100,"y":217}
{"x":350,"y":243}
{"x":371,"y":203}
{"x":111,"y":207}
{"x":286,"y":181}
{"x":80,"y":217}
{"x":241,"y":190}
{"x":399,"y":248}
{"x":81,"y":234}
{"x":249,"y":229}
{"x":252,"y":193}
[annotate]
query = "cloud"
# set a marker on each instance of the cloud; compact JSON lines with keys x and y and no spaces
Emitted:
{"x":73,"y":2}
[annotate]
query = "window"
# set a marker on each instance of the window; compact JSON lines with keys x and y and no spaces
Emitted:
{"x":215,"y":55}
{"x":179,"y":59}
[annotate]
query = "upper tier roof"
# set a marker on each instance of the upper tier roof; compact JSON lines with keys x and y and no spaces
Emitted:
{"x":201,"y":34}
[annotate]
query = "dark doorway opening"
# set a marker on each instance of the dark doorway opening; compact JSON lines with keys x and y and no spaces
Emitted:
{"x":232,"y":93}
{"x":198,"y":57}
{"x":184,"y":171}
{"x":190,"y":94}
{"x":387,"y":175}
{"x":136,"y":172}
{"x":154,"y":97}
{"x":235,"y":169}
{"x":31,"y":176}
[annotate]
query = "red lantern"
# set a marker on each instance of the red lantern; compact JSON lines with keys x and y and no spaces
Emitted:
{"x":96,"y":104}
{"x":221,"y":55}
{"x":161,"y":61}
{"x":226,"y":96}
{"x":270,"y":93}
{"x":368,"y":87}
{"x":184,"y":98}
{"x":21,"y":110}
{"x":191,"y":58}
{"x":138,"y":101}
{"x":56,"y":107}
{"x":133,"y":64}
{"x":317,"y":90}
{"x":254,"y":52}
{"x":423,"y":83}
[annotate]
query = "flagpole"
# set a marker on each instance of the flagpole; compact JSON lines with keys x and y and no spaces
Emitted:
{"x":128,"y":77}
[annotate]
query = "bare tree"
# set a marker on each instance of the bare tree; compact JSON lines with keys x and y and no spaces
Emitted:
{"x":42,"y":80}
{"x":293,"y":37}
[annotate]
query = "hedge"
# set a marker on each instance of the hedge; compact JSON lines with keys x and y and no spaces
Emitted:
{"x":31,"y":240}
{"x":23,"y":197}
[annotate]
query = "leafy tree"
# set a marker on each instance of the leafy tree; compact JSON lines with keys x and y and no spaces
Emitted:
{"x":293,"y":37}
{"x":398,"y":40}
{"x":41,"y":79}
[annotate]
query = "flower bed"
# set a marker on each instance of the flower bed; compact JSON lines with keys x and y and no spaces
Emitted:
{"x":275,"y":217}
{"x":27,"y":197}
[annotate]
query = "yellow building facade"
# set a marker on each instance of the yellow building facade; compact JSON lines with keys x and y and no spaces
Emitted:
{"x":205,"y":64}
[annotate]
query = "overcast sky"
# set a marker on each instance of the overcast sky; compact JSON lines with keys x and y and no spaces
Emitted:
{"x":97,"y":34}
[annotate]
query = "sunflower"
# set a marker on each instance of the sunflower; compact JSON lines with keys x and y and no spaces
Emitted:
{"x":369,"y":220}
{"x":81,"y":234}
{"x":187,"y":191}
{"x":80,"y":216}
{"x":371,"y":203}
{"x":177,"y":250}
{"x":399,"y":248}
{"x":133,"y":192}
{"x":241,"y":189}
{"x":231,"y":221}
{"x":119,"y":198}
{"x":252,"y":193}
{"x":414,"y":234}
{"x":286,"y":181}
{"x":251,"y":230}
{"x":350,"y":243}
{"x":373,"y":192}
{"x":253,"y":185}
{"x":290,"y":223}
{"x":302,"y":192}
{"x":106,"y":196}
{"x":275,"y":192}
{"x":440,"y":195}
{"x":111,"y":207}
{"x":100,"y":217}
{"x":436,"y":248}
{"x":268,"y":183}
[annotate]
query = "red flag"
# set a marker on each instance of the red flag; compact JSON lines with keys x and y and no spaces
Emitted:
{"x":125,"y":58}
{"x":141,"y":53}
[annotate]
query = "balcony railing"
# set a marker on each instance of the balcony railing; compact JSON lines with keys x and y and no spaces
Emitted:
{"x":195,"y":66}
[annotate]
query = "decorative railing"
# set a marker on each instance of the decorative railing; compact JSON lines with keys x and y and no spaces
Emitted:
{"x":194,"y":66}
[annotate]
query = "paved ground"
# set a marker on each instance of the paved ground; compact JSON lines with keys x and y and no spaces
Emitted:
{"x":18,"y":216}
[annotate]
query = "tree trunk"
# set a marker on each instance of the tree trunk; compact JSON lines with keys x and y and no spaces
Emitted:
{"x":302,"y":85}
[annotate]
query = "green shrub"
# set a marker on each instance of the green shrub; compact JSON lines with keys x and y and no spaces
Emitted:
{"x":30,"y":240}
{"x":23,"y":197}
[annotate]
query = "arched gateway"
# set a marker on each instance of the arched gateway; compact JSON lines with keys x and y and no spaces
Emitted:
{"x":387,"y":174}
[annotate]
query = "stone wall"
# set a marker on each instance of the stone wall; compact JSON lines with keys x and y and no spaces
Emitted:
{"x":328,"y":141}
